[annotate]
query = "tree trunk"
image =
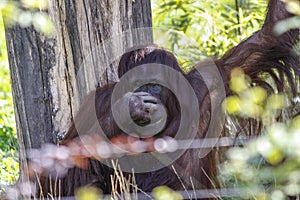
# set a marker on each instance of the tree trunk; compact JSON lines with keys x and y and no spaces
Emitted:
{"x":50,"y":75}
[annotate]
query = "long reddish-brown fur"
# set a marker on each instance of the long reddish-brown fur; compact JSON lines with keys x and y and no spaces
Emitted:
{"x":263,"y":53}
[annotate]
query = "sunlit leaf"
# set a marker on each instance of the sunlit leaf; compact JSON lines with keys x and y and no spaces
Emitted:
{"x":232,"y":105}
{"x":163,"y":192}
{"x":277,"y":134}
{"x":35,"y":4}
{"x":278,"y":195}
{"x":251,"y":109}
{"x":295,"y":124}
{"x":262,"y":196}
{"x":43,"y":23}
{"x":287,"y":24}
{"x":87,"y":193}
{"x":293,"y":6}
{"x":277,"y":101}
{"x":269,"y":151}
{"x":9,"y":11}
{"x":257,"y":95}
{"x":25,"y":19}
{"x":238,"y":82}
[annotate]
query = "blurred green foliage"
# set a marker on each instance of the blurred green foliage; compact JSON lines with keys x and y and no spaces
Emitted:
{"x":267,"y":167}
{"x":195,"y":30}
{"x":163,"y":192}
{"x":87,"y":193}
{"x":27,"y":13}
{"x":159,"y":193}
{"x":253,"y":102}
{"x":9,"y":166}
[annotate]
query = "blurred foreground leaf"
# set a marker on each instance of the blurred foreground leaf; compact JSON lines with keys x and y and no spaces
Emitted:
{"x":88,"y":193}
{"x":163,"y":192}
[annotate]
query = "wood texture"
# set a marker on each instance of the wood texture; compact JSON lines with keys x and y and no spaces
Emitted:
{"x":51,"y":75}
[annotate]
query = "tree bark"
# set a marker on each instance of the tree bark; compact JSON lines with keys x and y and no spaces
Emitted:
{"x":51,"y":75}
